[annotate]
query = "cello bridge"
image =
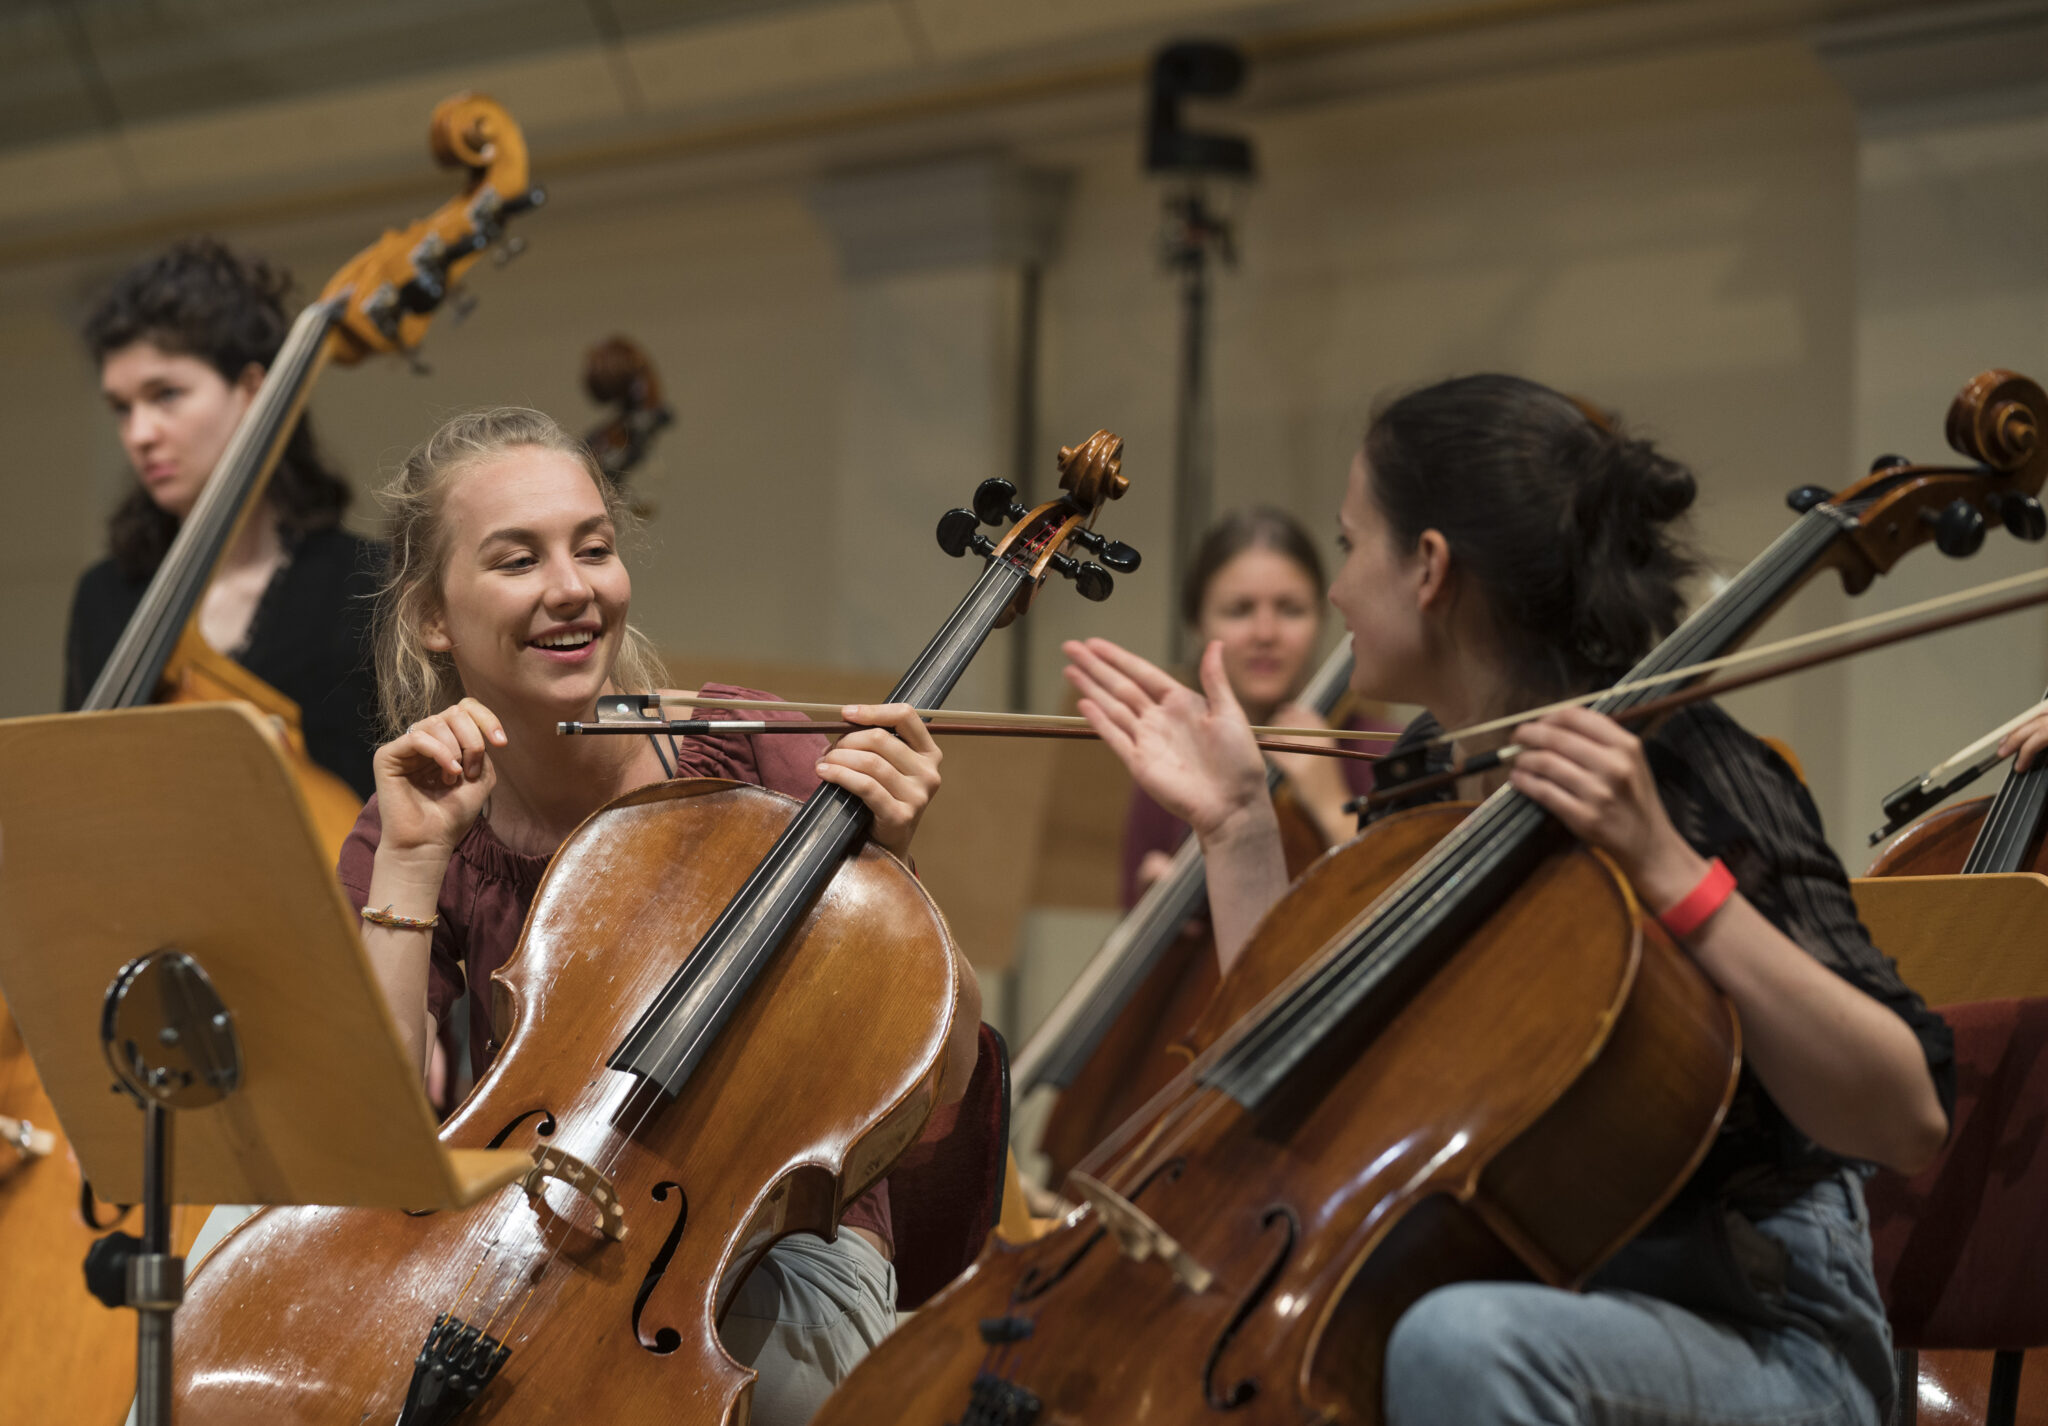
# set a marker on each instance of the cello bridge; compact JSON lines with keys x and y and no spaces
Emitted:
{"x":1137,"y":1236}
{"x":553,"y":1163}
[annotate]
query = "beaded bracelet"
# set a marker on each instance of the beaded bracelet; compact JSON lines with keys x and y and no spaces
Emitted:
{"x":391,"y":919}
{"x":1690,"y":911}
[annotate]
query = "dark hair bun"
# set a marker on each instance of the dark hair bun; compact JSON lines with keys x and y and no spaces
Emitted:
{"x":1561,"y":516}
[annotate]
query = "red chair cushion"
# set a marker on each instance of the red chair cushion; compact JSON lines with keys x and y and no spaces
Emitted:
{"x":1962,"y":1249}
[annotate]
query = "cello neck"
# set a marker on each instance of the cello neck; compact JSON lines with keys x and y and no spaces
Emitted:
{"x":675,"y":1032}
{"x":230,"y":498}
{"x":2012,"y":827}
{"x":1076,"y":1024}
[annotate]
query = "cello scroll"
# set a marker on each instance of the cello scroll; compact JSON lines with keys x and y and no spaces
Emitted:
{"x":1090,"y":474}
{"x":1997,"y":420}
{"x":390,"y":290}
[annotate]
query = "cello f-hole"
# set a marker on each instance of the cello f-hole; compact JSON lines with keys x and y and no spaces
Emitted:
{"x":666,"y":1339}
{"x":1245,"y":1389}
{"x":545,"y":1128}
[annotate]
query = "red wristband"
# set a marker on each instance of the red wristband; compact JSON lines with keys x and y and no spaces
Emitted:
{"x":1690,"y":911}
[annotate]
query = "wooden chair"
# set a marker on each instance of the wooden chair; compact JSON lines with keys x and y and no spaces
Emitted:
{"x":1962,"y":1249}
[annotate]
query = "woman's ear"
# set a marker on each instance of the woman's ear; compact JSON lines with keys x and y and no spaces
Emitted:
{"x":250,"y":381}
{"x":434,"y":634}
{"x":1432,"y":561}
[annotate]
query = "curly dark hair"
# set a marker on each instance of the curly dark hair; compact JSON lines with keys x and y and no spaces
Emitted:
{"x":1569,"y":524}
{"x":200,"y":298}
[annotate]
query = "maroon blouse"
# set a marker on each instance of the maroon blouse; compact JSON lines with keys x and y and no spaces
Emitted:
{"x":489,"y":887}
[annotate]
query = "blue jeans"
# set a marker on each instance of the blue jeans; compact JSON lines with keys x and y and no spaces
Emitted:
{"x":1720,"y":1321}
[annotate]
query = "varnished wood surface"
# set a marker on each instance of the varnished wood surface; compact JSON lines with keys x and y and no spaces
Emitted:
{"x":1143,"y":1048}
{"x":1475,"y":1134}
{"x":828,"y":1070}
{"x":1961,"y":938}
{"x":208,"y":850}
{"x":63,"y":1356}
{"x":198,"y":673}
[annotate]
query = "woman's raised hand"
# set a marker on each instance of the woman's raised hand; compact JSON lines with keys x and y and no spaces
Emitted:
{"x":434,"y":778}
{"x":1192,"y":752}
{"x":892,"y":766}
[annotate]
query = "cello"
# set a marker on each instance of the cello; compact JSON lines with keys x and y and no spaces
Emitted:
{"x":1456,"y":1049}
{"x":2000,"y":833}
{"x":56,"y":1341}
{"x":760,"y":1036}
{"x":1109,"y":1043}
{"x":617,"y":372}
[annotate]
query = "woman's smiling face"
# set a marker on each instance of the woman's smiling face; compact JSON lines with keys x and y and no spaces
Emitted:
{"x":533,"y":594}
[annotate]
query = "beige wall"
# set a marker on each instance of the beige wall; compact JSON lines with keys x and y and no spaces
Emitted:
{"x":1673,"y":234}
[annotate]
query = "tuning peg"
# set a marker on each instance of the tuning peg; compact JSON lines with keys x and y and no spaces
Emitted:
{"x":1885,"y":463}
{"x":958,"y":534}
{"x":995,"y":500}
{"x":1806,"y":497}
{"x":1091,"y":579}
{"x":425,"y":292}
{"x":524,"y":203}
{"x":512,"y":247}
{"x":461,"y":302}
{"x":2023,"y":515}
{"x":1114,"y":553}
{"x":1958,"y":529}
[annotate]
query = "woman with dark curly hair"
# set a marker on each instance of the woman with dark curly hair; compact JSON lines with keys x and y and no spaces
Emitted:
{"x":182,"y":342}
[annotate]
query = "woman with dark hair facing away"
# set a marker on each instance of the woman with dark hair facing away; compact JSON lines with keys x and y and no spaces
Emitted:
{"x":182,"y":342}
{"x":1504,"y":549}
{"x":1256,"y":587}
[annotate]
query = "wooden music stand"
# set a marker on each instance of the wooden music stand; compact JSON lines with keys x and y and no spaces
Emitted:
{"x":177,"y":834}
{"x":1960,"y":938}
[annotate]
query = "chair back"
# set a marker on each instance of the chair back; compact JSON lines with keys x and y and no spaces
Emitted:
{"x":1962,"y":1249}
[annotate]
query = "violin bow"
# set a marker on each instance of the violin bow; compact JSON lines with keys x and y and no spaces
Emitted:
{"x":643,"y":713}
{"x":1896,"y":627}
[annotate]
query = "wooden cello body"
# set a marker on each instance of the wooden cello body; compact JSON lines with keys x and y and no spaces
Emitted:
{"x":726,"y":1017}
{"x":1118,"y":1036}
{"x":199,"y":673}
{"x":66,"y":1357}
{"x":317,"y":1315}
{"x":1147,"y":1042}
{"x":1257,"y":1261}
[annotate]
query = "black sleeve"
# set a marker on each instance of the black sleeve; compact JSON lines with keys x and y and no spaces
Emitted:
{"x":1732,"y":797}
{"x":341,"y":724}
{"x":100,"y":609}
